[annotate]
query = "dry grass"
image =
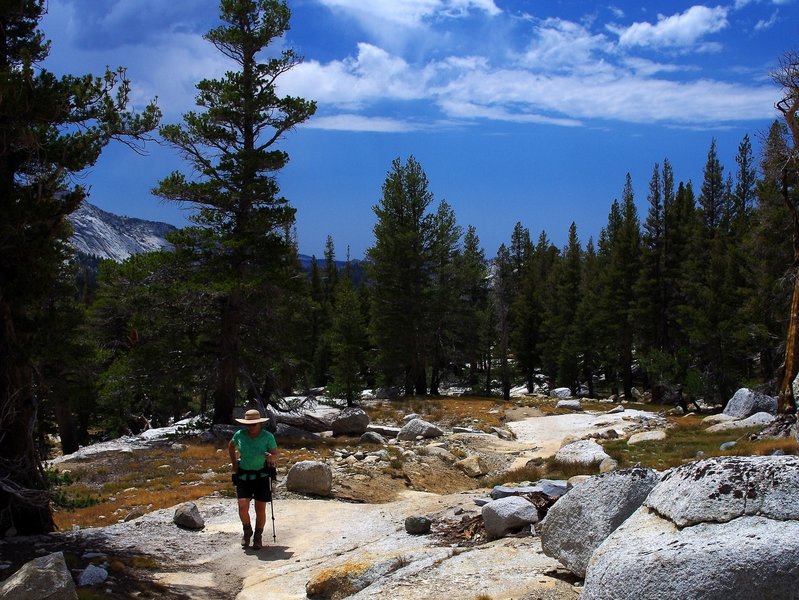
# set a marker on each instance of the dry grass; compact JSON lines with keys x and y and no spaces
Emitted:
{"x":529,"y":472}
{"x":106,"y":488}
{"x":465,"y":411}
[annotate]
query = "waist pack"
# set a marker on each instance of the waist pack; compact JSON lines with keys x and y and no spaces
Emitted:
{"x":248,"y":475}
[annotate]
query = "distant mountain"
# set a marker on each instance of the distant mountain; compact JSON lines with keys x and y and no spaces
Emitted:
{"x":100,"y":235}
{"x":105,"y":235}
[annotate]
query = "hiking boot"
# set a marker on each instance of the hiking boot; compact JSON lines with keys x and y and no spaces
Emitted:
{"x":245,"y":538}
{"x":256,"y":541}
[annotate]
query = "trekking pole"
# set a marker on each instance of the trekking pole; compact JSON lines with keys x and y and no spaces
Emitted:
{"x":272,"y":508}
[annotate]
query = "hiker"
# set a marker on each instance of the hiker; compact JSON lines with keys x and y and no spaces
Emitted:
{"x":253,"y":473}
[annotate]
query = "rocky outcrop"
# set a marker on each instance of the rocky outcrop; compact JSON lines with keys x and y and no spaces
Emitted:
{"x":580,"y":521}
{"x":349,"y":578}
{"x":745,"y":402}
{"x":722,"y":528}
{"x":43,"y":578}
{"x":760,"y":419}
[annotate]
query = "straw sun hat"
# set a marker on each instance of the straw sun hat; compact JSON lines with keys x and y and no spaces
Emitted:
{"x":251,"y":417}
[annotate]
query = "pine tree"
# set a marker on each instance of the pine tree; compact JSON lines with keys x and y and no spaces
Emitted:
{"x":620,"y":244}
{"x":444,"y":293}
{"x":502,"y":299}
{"x":472,"y":282}
{"x":651,"y":287}
{"x":52,"y":128}
{"x":241,"y":242}
{"x":568,"y":291}
{"x":744,"y":195}
{"x":712,"y":198}
{"x":399,"y":268}
{"x":772,"y":252}
{"x":348,"y":343}
{"x":526,"y":333}
{"x":543,"y":269}
{"x":588,"y":330}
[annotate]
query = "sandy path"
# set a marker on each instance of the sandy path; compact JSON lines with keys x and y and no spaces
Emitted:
{"x":314,"y":535}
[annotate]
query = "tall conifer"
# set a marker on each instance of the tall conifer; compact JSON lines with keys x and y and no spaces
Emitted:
{"x":52,"y":128}
{"x":241,"y":240}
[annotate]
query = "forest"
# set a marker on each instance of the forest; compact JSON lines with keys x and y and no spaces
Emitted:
{"x":693,"y":299}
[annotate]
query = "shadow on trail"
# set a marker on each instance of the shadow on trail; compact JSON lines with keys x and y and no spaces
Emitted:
{"x":270,"y":553}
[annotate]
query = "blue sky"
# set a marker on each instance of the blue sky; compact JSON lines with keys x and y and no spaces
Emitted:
{"x":526,"y":111}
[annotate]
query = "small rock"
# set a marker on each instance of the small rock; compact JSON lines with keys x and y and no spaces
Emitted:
{"x":472,"y":466}
{"x":92,"y":575}
{"x":188,"y":515}
{"x":569,"y":404}
{"x":646,"y":436}
{"x":417,"y":525}
{"x":372,"y":437}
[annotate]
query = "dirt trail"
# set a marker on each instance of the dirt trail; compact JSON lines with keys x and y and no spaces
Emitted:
{"x":314,"y":535}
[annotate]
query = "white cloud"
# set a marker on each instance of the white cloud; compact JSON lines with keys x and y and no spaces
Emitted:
{"x":609,"y":95}
{"x":408,"y":13}
{"x":647,"y":68}
{"x":471,"y":111}
{"x":558,"y":43}
{"x":764,"y":24}
{"x":470,"y":88}
{"x":560,"y":73}
{"x":353,"y":122}
{"x":683,"y":31}
{"x":371,"y":76}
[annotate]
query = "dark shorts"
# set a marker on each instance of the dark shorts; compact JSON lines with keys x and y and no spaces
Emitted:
{"x":259,"y":488}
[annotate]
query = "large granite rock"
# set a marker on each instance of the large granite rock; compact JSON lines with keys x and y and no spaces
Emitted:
{"x":580,"y":521}
{"x":43,"y":578}
{"x":310,"y":477}
{"x":722,"y":528}
{"x":582,"y":452}
{"x":418,"y":428}
{"x":350,"y":421}
{"x":745,"y":402}
{"x":508,"y":515}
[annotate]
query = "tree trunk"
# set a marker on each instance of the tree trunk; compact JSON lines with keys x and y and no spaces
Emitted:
{"x":435,"y":378}
{"x":488,"y":375}
{"x":421,"y":382}
{"x":24,"y":501}
{"x":627,"y":364}
{"x":786,"y":401}
{"x":67,"y":430}
{"x":228,"y":366}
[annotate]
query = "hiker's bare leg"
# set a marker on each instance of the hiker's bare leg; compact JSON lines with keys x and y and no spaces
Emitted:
{"x":260,"y":514}
{"x":244,"y":510}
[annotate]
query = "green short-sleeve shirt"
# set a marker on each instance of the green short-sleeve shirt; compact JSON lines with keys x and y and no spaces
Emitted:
{"x":252,"y":451}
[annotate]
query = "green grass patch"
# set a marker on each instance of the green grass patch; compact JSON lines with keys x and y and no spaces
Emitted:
{"x":688,"y":441}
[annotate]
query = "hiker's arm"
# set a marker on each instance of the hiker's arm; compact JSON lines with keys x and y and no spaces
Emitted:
{"x":231,"y":450}
{"x":271,"y":457}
